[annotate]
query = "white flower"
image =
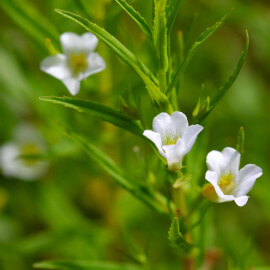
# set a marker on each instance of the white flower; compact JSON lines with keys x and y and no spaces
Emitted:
{"x":78,"y":61}
{"x":173,"y":137}
{"x":27,"y":141}
{"x":230,"y":183}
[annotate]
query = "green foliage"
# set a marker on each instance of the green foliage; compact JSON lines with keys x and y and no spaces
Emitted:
{"x":105,"y":113}
{"x":73,"y":212}
{"x":137,"y":17}
{"x":176,"y":238}
{"x":228,"y":84}
{"x":132,"y":250}
{"x":135,"y":188}
{"x":200,"y":40}
{"x":31,"y":21}
{"x":81,"y":265}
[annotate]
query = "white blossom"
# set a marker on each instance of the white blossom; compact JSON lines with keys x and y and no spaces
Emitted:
{"x":26,"y":141}
{"x":77,"y":62}
{"x":230,"y":183}
{"x":173,"y":137}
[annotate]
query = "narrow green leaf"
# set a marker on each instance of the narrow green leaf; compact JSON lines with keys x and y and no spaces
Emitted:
{"x":126,"y":55}
{"x":228,"y":84}
{"x":181,"y":46}
{"x":84,"y":265}
{"x":202,"y":106}
{"x":160,"y":38}
{"x":136,"y":16}
{"x":31,"y":21}
{"x":171,"y":13}
{"x":241,"y":141}
{"x":176,"y":238}
{"x":156,"y":201}
{"x":200,"y":40}
{"x":103,"y":112}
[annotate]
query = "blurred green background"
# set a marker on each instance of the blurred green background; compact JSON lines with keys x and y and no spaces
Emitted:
{"x":76,"y":211}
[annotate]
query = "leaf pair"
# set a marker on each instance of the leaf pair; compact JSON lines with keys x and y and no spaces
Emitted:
{"x":156,"y":201}
{"x":171,"y":10}
{"x":153,"y":199}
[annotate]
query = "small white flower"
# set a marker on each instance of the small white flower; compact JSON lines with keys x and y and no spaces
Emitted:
{"x":230,"y":183}
{"x":27,"y":141}
{"x":173,"y":137}
{"x":77,"y":62}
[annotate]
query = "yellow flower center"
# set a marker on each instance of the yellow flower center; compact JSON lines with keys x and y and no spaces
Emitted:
{"x":226,"y":183}
{"x":28,"y":151}
{"x":78,"y":63}
{"x":170,"y":140}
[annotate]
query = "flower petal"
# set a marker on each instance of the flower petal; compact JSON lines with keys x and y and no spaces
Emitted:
{"x":215,"y":161}
{"x":73,"y":43}
{"x":190,"y":135}
{"x":95,"y":64}
{"x":156,"y":139}
{"x":213,"y":177}
{"x":90,"y":40}
{"x":241,"y":201}
{"x":246,"y":179}
{"x":56,"y":66}
{"x":232,"y":160}
{"x":223,"y":162}
{"x":73,"y":85}
{"x":179,"y":123}
{"x":174,"y":155}
{"x":162,"y":125}
{"x":8,"y":154}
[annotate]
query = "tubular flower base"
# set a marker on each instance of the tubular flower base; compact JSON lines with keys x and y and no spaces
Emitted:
{"x":77,"y":62}
{"x":230,"y":183}
{"x":173,"y":137}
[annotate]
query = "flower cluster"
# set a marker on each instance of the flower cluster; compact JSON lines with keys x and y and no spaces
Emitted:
{"x":171,"y":134}
{"x":174,"y":138}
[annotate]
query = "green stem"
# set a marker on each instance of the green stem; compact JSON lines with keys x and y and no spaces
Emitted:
{"x":162,"y":80}
{"x":174,"y":100}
